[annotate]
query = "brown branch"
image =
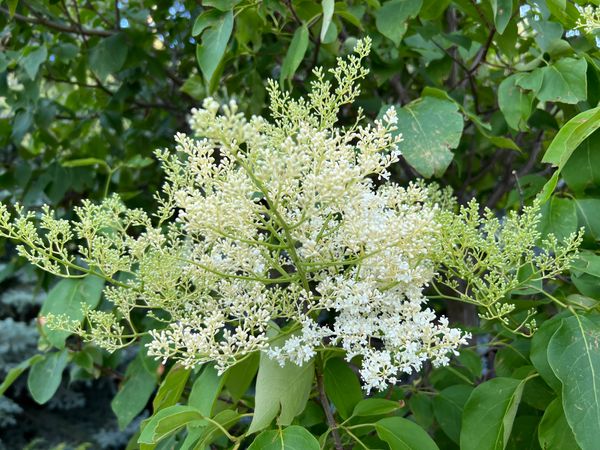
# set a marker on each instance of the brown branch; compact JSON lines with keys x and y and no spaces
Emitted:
{"x":58,"y":26}
{"x":327,"y":409}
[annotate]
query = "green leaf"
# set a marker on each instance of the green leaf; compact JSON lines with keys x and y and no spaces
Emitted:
{"x":539,"y":349}
{"x":421,"y":407}
{"x":109,"y":55}
{"x":12,"y":7}
{"x":210,"y":52}
{"x":502,"y":13}
{"x":402,"y":434}
{"x":391,"y":19}
{"x":564,"y":81}
{"x":328,"y":8}
{"x":582,"y":170}
{"x":482,"y":127}
{"x":430,"y":127}
{"x":568,"y":138}
{"x":66,"y":298}
{"x":554,"y":432}
{"x":32,"y":62}
{"x":226,"y":419}
{"x":45,"y":375}
{"x":295,"y":53}
{"x":489,"y":414}
{"x":448,"y":408}
{"x":171,"y":388}
{"x":284,"y":390}
{"x":194,"y":87}
{"x":16,"y":372}
{"x":587,"y":213}
{"x":167,"y":421}
{"x":290,"y":438}
{"x":585,"y":272}
{"x":135,"y":391}
{"x":342,"y":386}
{"x":514,"y":103}
{"x":206,"y":390}
{"x":374,"y":407}
{"x":239,"y":377}
{"x":574,"y":357}
{"x":205,"y":20}
{"x":559,"y":217}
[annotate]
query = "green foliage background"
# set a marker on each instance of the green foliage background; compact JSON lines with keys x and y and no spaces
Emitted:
{"x":492,"y":96}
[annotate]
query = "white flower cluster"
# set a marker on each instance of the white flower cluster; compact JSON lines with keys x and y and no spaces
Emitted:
{"x":289,"y":224}
{"x":284,"y":222}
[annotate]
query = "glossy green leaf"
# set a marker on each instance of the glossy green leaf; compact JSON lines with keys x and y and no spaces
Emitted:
{"x":205,"y":20}
{"x":342,"y":386}
{"x":391,"y":19}
{"x":16,"y":372}
{"x":554,"y":432}
{"x":45,"y":375}
{"x":328,"y":8}
{"x":430,"y":127}
{"x":295,"y":53}
{"x":206,"y":390}
{"x":167,"y":421}
{"x":489,"y":414}
{"x":136,"y":389}
{"x":502,"y":13}
{"x":211,"y":50}
{"x":588,"y":217}
{"x":402,"y":434}
{"x":448,"y":408}
{"x":290,"y":438}
{"x":539,"y":349}
{"x":66,"y":298}
{"x":239,"y":377}
{"x":226,"y":419}
{"x":582,"y":169}
{"x":170,"y":390}
{"x":375,"y":407}
{"x":574,"y":357}
{"x":559,"y":217}
{"x":280,"y":391}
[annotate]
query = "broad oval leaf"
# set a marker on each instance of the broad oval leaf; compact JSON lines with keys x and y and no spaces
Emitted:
{"x":135,"y":391}
{"x":430,"y":127}
{"x":375,"y":407}
{"x":342,"y":386}
{"x":206,"y":390}
{"x":402,"y":434}
{"x":167,"y":421}
{"x":391,"y":19}
{"x":574,"y":357}
{"x":170,"y":390}
{"x":448,"y":408}
{"x":290,"y":438}
{"x":489,"y":414}
{"x":16,"y":372}
{"x":280,"y":390}
{"x":45,"y":375}
{"x":554,"y":432}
